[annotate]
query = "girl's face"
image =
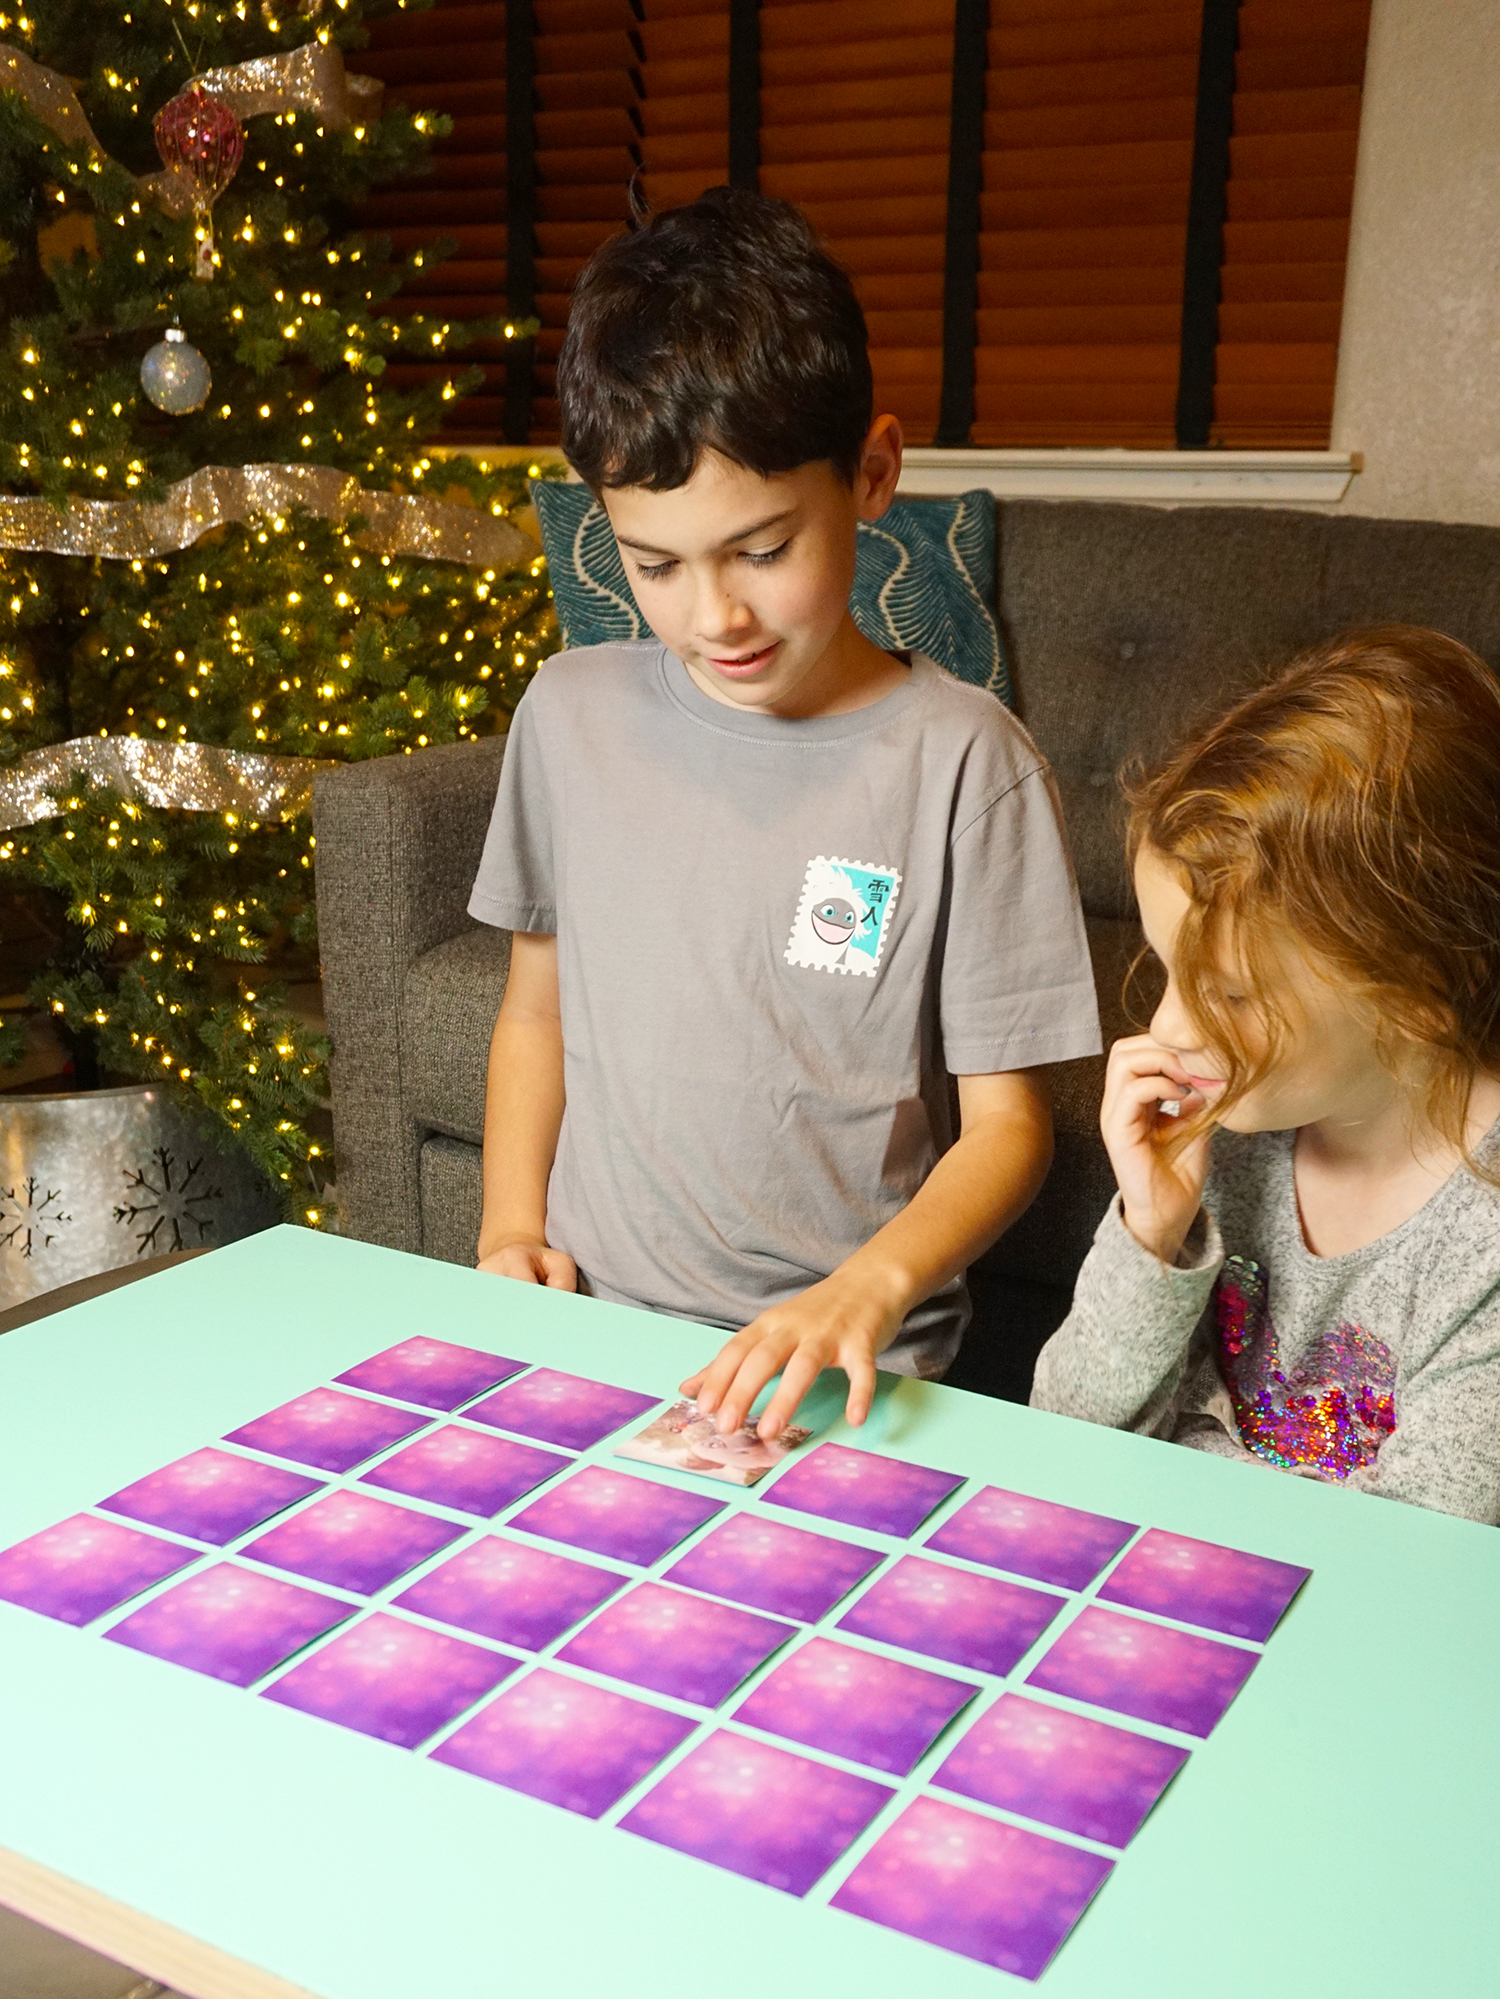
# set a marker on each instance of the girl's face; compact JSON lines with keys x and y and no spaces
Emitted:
{"x":1329,"y":1070}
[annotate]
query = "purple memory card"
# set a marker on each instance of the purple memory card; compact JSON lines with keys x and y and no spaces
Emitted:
{"x":561,"y":1409}
{"x":1087,"y":1777}
{"x":975,"y":1621}
{"x":82,"y":1567}
{"x":882,"y":1495}
{"x":770,"y":1566}
{"x":229,"y":1623}
{"x":974,"y":1885}
{"x":1198,"y":1582}
{"x":756,"y":1810}
{"x":435,"y":1374}
{"x":353,"y":1542}
{"x":328,"y":1429}
{"x":386,"y":1677}
{"x":506,"y":1590}
{"x":1031,"y":1537}
{"x":565,"y":1742}
{"x":212,"y":1495}
{"x":677,"y":1644}
{"x":616,"y":1514}
{"x":856,"y":1704}
{"x":469,"y":1470}
{"x":1146,"y":1670}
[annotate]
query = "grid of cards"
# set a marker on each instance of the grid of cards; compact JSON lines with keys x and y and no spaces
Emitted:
{"x":387,"y":1552}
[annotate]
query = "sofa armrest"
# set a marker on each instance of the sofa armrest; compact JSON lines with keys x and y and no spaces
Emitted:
{"x":399,"y":840}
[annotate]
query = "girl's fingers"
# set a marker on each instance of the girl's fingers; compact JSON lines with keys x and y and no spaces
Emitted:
{"x":755,"y":1371}
{"x":861,"y":1370}
{"x":709,"y":1384}
{"x":799,"y":1374}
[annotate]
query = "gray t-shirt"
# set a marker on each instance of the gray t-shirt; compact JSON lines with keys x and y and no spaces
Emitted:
{"x":774,"y":937}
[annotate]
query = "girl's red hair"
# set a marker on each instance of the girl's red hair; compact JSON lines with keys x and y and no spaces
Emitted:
{"x":1353,"y":805}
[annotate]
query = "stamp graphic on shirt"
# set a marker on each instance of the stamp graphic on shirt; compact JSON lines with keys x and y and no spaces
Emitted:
{"x":843,"y":916}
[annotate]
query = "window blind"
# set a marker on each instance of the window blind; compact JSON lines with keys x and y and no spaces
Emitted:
{"x":684,"y":99}
{"x":1088,"y":154}
{"x":1299,"y":73}
{"x":588,"y":57}
{"x":451,"y":59}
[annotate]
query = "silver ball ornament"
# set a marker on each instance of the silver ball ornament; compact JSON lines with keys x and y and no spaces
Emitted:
{"x":175,"y":375}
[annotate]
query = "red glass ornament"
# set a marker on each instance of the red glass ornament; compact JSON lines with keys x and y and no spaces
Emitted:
{"x":200,"y":140}
{"x":199,"y":137}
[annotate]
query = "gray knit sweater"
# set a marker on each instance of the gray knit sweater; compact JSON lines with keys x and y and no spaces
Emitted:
{"x":1378,"y":1370}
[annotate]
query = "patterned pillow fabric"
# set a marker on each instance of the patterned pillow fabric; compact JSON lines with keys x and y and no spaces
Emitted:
{"x":924,"y":579}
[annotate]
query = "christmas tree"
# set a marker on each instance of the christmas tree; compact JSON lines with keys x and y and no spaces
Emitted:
{"x":209,"y":622}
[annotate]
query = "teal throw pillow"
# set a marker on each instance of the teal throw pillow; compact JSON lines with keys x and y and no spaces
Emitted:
{"x":924,"y":579}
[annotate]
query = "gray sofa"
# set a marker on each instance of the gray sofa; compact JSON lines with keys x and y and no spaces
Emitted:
{"x":1125,"y":624}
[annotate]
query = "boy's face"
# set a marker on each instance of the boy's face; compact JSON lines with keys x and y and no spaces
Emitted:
{"x":747,"y":579}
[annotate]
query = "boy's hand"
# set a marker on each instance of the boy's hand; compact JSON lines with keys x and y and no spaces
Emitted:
{"x":531,"y":1262}
{"x":1161,"y":1193}
{"x":840,"y":1322}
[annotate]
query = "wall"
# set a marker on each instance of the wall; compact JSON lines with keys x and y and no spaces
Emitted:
{"x":1419,"y":356}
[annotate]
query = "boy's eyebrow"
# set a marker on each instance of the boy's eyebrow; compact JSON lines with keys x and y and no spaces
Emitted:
{"x":740,"y":534}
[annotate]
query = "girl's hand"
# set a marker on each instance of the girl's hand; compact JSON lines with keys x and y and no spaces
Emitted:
{"x":1161,"y":1193}
{"x":532,"y":1262}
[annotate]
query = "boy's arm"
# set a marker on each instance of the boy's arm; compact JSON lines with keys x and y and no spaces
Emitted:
{"x":973,"y":1194}
{"x":523,"y":1108}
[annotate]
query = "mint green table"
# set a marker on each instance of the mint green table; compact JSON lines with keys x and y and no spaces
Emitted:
{"x":1335,"y":1834}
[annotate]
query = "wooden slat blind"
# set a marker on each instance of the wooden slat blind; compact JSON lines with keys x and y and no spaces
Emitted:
{"x":451,"y":59}
{"x":684,"y":99}
{"x":1087,"y":165}
{"x":854,"y":129}
{"x":588,"y":57}
{"x":1291,"y":184}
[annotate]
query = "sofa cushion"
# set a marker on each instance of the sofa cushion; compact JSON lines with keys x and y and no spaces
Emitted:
{"x":1129,"y":625}
{"x":452,"y":996}
{"x":924,"y":579}
{"x":450,"y":1180}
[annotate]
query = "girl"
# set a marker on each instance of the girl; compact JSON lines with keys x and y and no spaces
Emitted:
{"x":1303,"y":1261}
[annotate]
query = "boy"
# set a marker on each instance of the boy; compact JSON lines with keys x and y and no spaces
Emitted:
{"x":768,"y":883}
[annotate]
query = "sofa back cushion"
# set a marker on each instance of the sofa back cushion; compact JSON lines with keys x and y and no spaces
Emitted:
{"x":924,"y":579}
{"x":1127,"y":626}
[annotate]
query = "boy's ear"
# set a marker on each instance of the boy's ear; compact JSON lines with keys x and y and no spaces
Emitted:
{"x":879,"y":469}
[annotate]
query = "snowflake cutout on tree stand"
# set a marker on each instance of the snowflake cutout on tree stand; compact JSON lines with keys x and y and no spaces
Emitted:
{"x":161,"y":1207}
{"x":29,"y":1216}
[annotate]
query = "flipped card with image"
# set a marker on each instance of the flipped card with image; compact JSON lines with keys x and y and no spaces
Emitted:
{"x":565,"y":1742}
{"x":949,"y":1613}
{"x":469,"y":1470}
{"x":973,"y":1885}
{"x":1045,"y":1763}
{"x":769,"y":1565}
{"x":1199,"y":1582}
{"x":677,"y":1644}
{"x":613,"y":1513}
{"x":1031,"y":1537}
{"x":229,"y":1623}
{"x":686,"y":1441}
{"x":856,"y":1704}
{"x":1146,"y":1670}
{"x":212,"y":1495}
{"x":757,"y":1810}
{"x":353,"y":1542}
{"x":83,"y":1567}
{"x":509,"y":1591}
{"x":328,"y":1429}
{"x":435,"y":1374}
{"x":561,"y":1409}
{"x":885,"y":1495}
{"x":390,"y":1678}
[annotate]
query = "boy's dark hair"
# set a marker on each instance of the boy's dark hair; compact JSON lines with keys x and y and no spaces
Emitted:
{"x":721,"y":326}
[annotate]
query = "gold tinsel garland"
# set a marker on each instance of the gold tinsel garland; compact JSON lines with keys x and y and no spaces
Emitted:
{"x":135,"y":530}
{"x":311,"y":78}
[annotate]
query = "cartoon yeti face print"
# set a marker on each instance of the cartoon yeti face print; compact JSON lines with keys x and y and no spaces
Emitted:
{"x":843,"y":917}
{"x":835,"y":919}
